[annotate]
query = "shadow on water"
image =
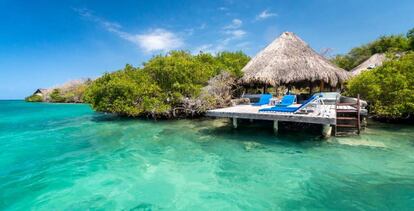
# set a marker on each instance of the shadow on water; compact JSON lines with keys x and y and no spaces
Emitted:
{"x":107,"y":117}
{"x":104,"y":117}
{"x":305,"y":135}
{"x":262,"y":131}
{"x":389,"y":127}
{"x":145,"y":207}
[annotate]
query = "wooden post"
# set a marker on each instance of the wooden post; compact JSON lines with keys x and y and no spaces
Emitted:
{"x":364,"y":122}
{"x":358,"y":107}
{"x":310,"y":87}
{"x":234,"y":122}
{"x":321,"y":86}
{"x":326,"y":131}
{"x":275,"y":126}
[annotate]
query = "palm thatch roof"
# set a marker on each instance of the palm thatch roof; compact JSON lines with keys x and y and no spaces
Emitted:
{"x":40,"y":91}
{"x":374,"y":61}
{"x":289,"y":60}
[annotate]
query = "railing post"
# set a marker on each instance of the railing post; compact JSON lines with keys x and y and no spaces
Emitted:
{"x":359,"y":114}
{"x":335,"y":129}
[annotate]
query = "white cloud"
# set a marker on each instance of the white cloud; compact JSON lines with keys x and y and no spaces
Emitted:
{"x":234,"y":30}
{"x":265,"y":14}
{"x":202,"y":26}
{"x":203,"y":48}
{"x":232,"y":33}
{"x":243,"y":45}
{"x":189,"y":32}
{"x":236,"y":33}
{"x":223,"y":8}
{"x":154,"y":40}
{"x":223,"y":44}
{"x":157,"y":40}
{"x":210,"y":48}
{"x":235,"y":24}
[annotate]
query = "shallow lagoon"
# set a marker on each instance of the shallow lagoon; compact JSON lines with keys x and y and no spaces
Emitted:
{"x":59,"y":156}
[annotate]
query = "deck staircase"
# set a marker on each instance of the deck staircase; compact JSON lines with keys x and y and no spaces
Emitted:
{"x":348,"y":118}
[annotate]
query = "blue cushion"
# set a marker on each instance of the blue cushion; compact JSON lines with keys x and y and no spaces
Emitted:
{"x":264,"y":100}
{"x":290,"y":109}
{"x":287,"y":100}
{"x":280,"y":109}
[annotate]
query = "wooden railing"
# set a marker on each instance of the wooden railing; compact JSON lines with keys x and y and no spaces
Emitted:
{"x":349,"y":115}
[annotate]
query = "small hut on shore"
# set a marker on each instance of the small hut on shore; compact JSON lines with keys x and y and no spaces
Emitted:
{"x":374,"y":61}
{"x":41,"y":92}
{"x":289,"y":61}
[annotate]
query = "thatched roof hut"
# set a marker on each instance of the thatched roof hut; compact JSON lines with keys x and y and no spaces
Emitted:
{"x":40,"y":92}
{"x":288,"y":60}
{"x":374,"y":61}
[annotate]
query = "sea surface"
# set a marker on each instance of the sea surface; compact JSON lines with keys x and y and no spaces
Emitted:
{"x":67,"y":157}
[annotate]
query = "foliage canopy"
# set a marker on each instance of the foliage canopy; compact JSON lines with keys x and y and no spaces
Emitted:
{"x":162,"y":84}
{"x":127,"y":92}
{"x":389,"y":88}
{"x":34,"y":98}
{"x":56,"y":96}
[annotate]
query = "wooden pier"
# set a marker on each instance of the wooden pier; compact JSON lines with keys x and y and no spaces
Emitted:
{"x":324,"y":115}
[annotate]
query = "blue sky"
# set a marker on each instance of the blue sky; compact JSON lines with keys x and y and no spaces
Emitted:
{"x":46,"y":43}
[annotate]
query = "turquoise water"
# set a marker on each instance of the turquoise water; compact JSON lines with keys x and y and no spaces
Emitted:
{"x":56,"y":156}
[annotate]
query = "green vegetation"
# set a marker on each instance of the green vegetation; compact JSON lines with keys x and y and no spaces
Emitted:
{"x":410,"y":35}
{"x":126,"y":92}
{"x":70,"y":92}
{"x":164,"y":83}
{"x":56,"y":96}
{"x":34,"y":98}
{"x":384,"y":44}
{"x":388,"y":88}
{"x":75,"y":93}
{"x":232,"y":62}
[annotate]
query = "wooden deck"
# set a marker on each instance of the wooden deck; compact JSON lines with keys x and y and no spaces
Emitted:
{"x":315,"y":113}
{"x":325,"y":114}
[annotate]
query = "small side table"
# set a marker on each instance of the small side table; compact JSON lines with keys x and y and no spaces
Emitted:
{"x":274,"y":101}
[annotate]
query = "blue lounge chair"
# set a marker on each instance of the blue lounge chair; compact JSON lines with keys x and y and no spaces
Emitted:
{"x":291,"y":109}
{"x":287,"y":100}
{"x":264,"y":100}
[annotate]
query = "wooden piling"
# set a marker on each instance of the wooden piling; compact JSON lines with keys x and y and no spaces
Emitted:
{"x":326,"y":131}
{"x":234,"y":122}
{"x":276,"y":126}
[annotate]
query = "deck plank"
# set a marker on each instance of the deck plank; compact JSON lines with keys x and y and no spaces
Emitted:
{"x":252,"y":112}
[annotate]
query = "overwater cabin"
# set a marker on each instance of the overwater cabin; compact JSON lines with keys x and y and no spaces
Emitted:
{"x":290,"y":62}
